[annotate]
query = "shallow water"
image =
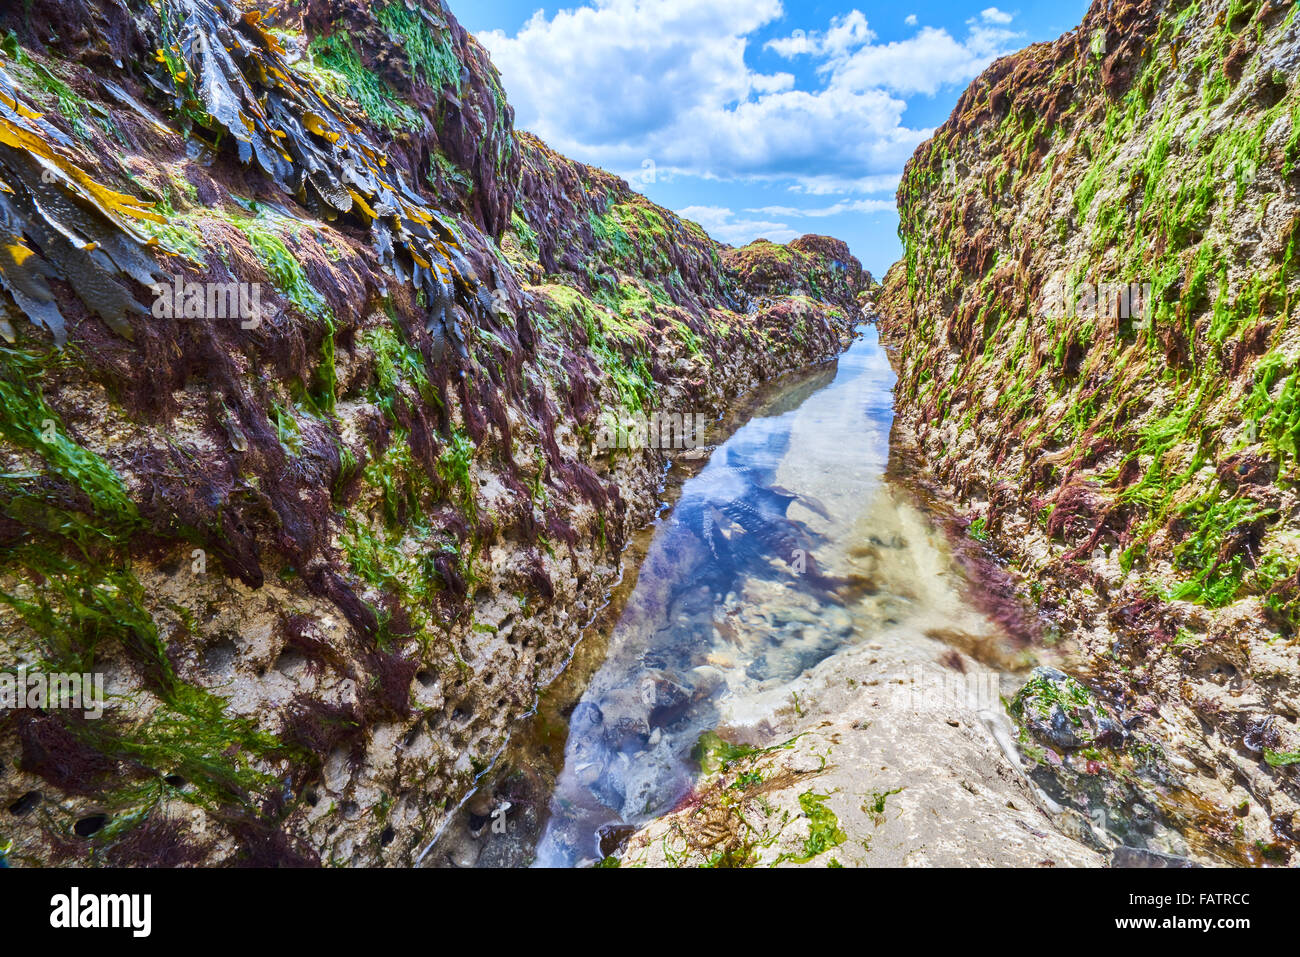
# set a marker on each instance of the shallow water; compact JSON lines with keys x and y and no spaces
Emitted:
{"x":796,"y":541}
{"x":783,"y":550}
{"x":788,"y":546}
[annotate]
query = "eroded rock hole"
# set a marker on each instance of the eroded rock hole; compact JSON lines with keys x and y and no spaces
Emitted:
{"x":290,"y":660}
{"x":90,"y":825}
{"x":1271,"y":88}
{"x":25,"y":804}
{"x":220,"y":658}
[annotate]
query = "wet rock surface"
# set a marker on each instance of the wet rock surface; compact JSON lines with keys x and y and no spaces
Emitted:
{"x":1061,"y":712}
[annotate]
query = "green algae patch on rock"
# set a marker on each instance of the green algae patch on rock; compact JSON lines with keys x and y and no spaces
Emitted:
{"x":824,"y":832}
{"x":714,"y":753}
{"x":1060,"y":711}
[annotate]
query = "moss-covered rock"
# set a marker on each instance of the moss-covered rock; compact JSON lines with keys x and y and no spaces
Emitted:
{"x":1061,"y":712}
{"x":1133,"y":455}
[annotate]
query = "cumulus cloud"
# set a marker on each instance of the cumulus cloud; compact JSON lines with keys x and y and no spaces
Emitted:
{"x":620,"y":82}
{"x":623,"y":81}
{"x":825,"y":185}
{"x":922,"y":64}
{"x":839,"y":209}
{"x":994,"y":15}
{"x":931,"y":59}
{"x":910,"y":20}
{"x":769,"y":222}
{"x":618,"y":78}
{"x":848,"y":32}
{"x":722,"y":224}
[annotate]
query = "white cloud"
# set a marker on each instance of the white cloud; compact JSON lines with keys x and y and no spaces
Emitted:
{"x":846,"y":33}
{"x":721,"y":223}
{"x":623,"y":81}
{"x":924,"y":63}
{"x":796,"y":44}
{"x":625,"y":72}
{"x":831,"y":185}
{"x":618,"y":83}
{"x":919,"y":64}
{"x":773,"y":83}
{"x":910,"y":20}
{"x":839,"y":209}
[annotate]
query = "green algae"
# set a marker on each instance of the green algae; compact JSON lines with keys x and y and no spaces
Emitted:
{"x":454,"y":467}
{"x":714,"y":753}
{"x":526,"y":235}
{"x":336,"y":56}
{"x":1174,"y":253}
{"x":401,"y":482}
{"x":84,"y":594}
{"x":1281,"y":759}
{"x":608,"y":230}
{"x":282,"y":265}
{"x":1273,"y":407}
{"x":1044,"y":695}
{"x":619,"y":346}
{"x":180,"y":234}
{"x":74,"y":107}
{"x":824,"y":831}
{"x":291,"y":280}
{"x":28,"y":422}
{"x":1214,"y":520}
{"x":431,"y":53}
{"x":875,"y":807}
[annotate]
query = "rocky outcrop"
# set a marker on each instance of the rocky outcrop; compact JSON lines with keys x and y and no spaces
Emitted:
{"x":1095,"y":324}
{"x":326,"y":548}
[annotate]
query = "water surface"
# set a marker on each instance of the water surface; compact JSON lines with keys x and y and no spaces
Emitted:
{"x":800,"y":538}
{"x":746,"y":583}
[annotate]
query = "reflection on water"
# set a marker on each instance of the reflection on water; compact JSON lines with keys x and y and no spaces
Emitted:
{"x":790,"y":546}
{"x":756,"y":575}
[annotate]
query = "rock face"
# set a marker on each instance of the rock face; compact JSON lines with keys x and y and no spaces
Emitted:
{"x":326,"y":548}
{"x":1135,"y":454}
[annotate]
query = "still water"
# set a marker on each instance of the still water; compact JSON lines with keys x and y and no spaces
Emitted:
{"x":799,"y":539}
{"x":743,"y":587}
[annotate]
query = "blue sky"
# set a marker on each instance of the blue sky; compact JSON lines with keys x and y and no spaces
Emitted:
{"x":768,"y":118}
